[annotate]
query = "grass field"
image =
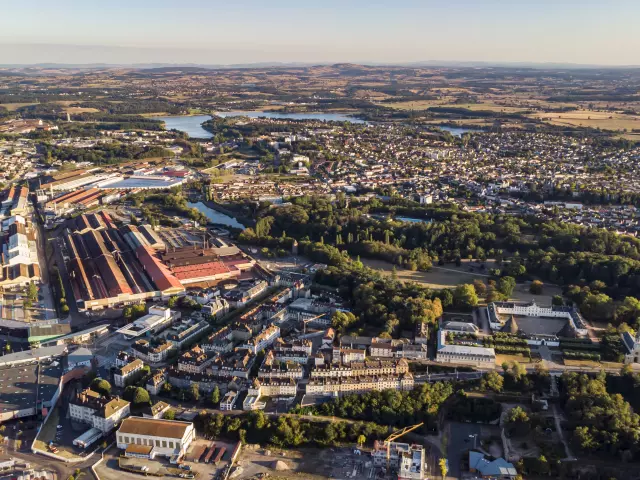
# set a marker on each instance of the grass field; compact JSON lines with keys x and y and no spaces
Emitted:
{"x":72,"y":110}
{"x":438,"y":277}
{"x":12,"y":107}
{"x":500,"y":359}
{"x":591,"y":118}
{"x":449,"y":276}
{"x":424,"y":104}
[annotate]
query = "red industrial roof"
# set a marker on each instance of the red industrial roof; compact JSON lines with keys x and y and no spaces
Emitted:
{"x":215,"y":268}
{"x":160,"y":275}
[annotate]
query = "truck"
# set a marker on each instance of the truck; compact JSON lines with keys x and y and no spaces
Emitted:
{"x":88,"y":438}
{"x":210,"y":452}
{"x":219,"y":455}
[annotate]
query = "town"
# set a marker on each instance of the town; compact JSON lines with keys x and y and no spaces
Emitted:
{"x":268,"y":285}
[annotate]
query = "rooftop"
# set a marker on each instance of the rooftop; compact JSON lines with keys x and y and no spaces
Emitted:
{"x":154,"y":428}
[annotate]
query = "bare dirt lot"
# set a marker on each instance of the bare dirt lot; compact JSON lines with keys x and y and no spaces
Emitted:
{"x":308,"y":463}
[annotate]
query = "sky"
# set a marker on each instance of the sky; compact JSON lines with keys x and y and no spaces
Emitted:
{"x":309,"y":31}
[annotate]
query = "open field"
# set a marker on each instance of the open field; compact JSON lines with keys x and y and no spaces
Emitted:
{"x":591,"y":118}
{"x":501,"y":358}
{"x":72,"y":110}
{"x":12,"y":107}
{"x":424,"y":104}
{"x":449,"y":276}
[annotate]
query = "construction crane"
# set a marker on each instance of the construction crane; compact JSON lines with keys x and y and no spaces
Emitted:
{"x":307,"y":320}
{"x":394,"y":436}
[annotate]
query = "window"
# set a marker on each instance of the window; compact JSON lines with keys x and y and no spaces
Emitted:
{"x":138,"y":441}
{"x":164,"y":444}
{"x":126,"y":439}
{"x":157,"y":443}
{"x":170,"y":444}
{"x":120,"y":439}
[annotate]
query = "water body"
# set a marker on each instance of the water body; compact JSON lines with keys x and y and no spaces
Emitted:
{"x":190,"y":124}
{"x":413,"y":220}
{"x":215,"y":216}
{"x":328,"y":117}
{"x":457,"y":131}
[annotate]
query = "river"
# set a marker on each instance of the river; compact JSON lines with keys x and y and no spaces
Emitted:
{"x":215,"y":216}
{"x":190,"y":124}
{"x":327,"y":117}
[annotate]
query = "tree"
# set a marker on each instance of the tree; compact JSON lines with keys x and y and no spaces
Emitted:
{"x":341,"y":321}
{"x":536,"y":287}
{"x":492,"y":381}
{"x":101,"y":386}
{"x":172,"y":301}
{"x":194,"y":390}
{"x":444,"y":467}
{"x":361,"y":440}
{"x":138,"y":396}
{"x":465,"y":297}
{"x":215,"y":396}
{"x":169,"y":415}
{"x":480,"y":287}
{"x":518,"y":421}
{"x":506,"y":285}
{"x":557,"y":300}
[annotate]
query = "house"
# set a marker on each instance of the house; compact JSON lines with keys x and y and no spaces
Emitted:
{"x":229,"y":400}
{"x":498,"y":469}
{"x":80,"y":358}
{"x":150,"y":437}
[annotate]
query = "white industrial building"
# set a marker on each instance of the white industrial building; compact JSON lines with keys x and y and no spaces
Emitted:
{"x":150,"y":437}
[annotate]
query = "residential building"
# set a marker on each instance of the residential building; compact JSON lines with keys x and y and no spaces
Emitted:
{"x":123,"y":375}
{"x":103,"y":413}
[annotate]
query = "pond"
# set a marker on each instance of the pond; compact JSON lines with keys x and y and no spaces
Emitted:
{"x":216,"y":217}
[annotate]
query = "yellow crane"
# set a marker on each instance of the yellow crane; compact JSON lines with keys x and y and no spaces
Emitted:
{"x":395,"y":435}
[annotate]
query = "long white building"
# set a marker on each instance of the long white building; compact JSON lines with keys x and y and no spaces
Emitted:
{"x":150,"y":437}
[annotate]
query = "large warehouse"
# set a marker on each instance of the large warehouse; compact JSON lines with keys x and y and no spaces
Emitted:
{"x":111,"y":266}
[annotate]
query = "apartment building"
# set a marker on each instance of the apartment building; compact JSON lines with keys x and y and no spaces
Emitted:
{"x":123,"y":375}
{"x":195,"y":360}
{"x":262,"y":340}
{"x":358,"y":385}
{"x":364,"y":368}
{"x":152,"y":353}
{"x":274,"y":368}
{"x":103,"y":413}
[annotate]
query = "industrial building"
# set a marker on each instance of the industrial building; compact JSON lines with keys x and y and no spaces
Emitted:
{"x":149,"y":437}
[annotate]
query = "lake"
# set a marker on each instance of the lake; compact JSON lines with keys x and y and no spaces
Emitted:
{"x":215,"y":216}
{"x":328,"y":117}
{"x":190,"y":124}
{"x":457,"y":131}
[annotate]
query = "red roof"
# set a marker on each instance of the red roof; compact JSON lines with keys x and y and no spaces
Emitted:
{"x":160,"y":275}
{"x":215,"y":268}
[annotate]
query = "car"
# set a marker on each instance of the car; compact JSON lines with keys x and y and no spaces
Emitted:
{"x":185,"y":467}
{"x":187,"y":475}
{"x":59,"y":427}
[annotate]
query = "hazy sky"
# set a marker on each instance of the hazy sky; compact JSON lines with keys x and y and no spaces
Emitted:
{"x":244,"y":31}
